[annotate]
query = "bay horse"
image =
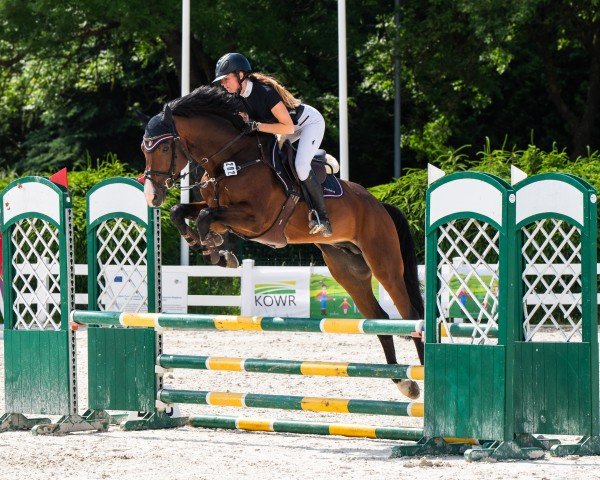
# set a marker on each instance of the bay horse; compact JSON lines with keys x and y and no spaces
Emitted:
{"x":242,"y":194}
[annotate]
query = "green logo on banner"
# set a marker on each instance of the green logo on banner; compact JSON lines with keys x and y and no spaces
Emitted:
{"x":285,"y":287}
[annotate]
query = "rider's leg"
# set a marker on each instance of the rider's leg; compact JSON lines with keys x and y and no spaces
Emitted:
{"x":318,"y":223}
{"x":310,"y":131}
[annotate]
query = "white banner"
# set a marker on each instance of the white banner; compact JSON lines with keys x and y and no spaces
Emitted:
{"x":281,"y":292}
{"x":329,"y":299}
{"x":174,"y":292}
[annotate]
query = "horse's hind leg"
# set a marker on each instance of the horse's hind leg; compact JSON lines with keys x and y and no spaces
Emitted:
{"x":389,"y":271}
{"x":351,"y":272}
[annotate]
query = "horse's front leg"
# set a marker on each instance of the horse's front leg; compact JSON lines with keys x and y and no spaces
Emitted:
{"x":189,"y":211}
{"x":226,"y":217}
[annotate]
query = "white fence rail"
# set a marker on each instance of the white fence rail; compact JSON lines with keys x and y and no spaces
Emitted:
{"x":244,"y":300}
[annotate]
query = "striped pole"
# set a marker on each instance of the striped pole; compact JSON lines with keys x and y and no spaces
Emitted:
{"x":292,"y":367}
{"x":468,"y":330}
{"x":289,"y":402}
{"x":311,"y":428}
{"x":233,"y":322}
{"x":271,"y":324}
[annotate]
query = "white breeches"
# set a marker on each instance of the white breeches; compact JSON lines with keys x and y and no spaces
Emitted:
{"x":309,"y":135}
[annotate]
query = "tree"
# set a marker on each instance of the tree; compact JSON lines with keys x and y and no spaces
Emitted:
{"x":496,"y":69}
{"x":73,"y":73}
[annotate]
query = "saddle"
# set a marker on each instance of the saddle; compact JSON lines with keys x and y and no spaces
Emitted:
{"x":325,"y":167}
{"x":282,"y":162}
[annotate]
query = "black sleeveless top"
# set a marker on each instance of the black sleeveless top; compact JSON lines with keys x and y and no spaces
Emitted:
{"x":261,"y":100}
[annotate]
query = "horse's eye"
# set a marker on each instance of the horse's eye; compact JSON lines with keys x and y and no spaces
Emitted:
{"x":165,"y":147}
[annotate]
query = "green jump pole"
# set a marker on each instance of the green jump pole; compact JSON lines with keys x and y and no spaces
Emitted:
{"x":306,"y":428}
{"x":468,"y":330}
{"x":288,"y":402}
{"x":232,"y":322}
{"x":292,"y":367}
{"x":270,"y":324}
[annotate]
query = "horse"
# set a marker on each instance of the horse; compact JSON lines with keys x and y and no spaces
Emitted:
{"x":242,"y":194}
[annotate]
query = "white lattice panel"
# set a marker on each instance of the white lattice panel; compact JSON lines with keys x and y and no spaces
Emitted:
{"x":552,"y":292}
{"x":36,"y":282}
{"x":468,"y":274}
{"x":122,"y":261}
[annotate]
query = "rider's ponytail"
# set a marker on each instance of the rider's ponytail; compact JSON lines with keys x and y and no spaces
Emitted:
{"x":288,"y":99}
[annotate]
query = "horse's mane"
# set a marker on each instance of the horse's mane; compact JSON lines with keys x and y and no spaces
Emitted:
{"x":209,"y":100}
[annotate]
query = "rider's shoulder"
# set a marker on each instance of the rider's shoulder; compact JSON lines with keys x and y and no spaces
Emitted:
{"x":264,"y":89}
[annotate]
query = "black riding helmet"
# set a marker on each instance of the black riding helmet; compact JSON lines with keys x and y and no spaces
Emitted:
{"x":231,"y":62}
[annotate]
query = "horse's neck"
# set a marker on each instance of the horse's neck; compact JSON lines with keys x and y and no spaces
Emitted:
{"x":207,"y":138}
{"x":242,"y":152}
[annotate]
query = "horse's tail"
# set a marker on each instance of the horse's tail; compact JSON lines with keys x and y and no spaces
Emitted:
{"x":409,"y":257}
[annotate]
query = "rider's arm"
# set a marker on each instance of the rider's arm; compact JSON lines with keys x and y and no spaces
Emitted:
{"x":284,"y":125}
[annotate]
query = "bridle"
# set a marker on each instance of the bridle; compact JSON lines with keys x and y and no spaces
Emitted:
{"x":149,"y":144}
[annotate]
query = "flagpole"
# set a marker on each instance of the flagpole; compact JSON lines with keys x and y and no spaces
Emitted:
{"x":185,"y":89}
{"x":343,"y":90}
{"x":397,"y":98}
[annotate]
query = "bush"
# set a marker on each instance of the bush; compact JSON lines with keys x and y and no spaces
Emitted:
{"x":81,"y":181}
{"x":408,"y":191}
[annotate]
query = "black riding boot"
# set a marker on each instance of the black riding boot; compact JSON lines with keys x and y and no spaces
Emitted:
{"x":317,"y":217}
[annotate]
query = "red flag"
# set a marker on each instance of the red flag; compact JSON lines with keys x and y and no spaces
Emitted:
{"x":60,"y":178}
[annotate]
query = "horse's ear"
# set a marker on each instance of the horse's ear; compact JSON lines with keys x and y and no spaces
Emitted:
{"x":142,"y":117}
{"x":167,"y":116}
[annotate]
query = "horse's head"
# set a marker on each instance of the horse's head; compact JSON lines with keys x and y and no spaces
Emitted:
{"x":160,"y":146}
{"x":207,"y":134}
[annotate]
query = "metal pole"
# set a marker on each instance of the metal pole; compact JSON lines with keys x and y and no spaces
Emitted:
{"x":343,"y":92}
{"x":397,"y":109}
{"x":185,"y":89}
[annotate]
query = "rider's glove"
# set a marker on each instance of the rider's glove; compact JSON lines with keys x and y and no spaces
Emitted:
{"x":251,"y":127}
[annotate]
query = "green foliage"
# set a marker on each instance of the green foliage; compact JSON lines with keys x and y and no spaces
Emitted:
{"x":7,"y":176}
{"x":80,"y":182}
{"x":408,"y":192}
{"x":83,"y":179}
{"x":492,"y":69}
{"x":73,"y":73}
{"x":432,"y":142}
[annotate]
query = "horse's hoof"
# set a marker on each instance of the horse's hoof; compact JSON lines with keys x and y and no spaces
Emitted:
{"x":230,"y":259}
{"x":408,"y":388}
{"x":193,"y":240}
{"x":195,"y":247}
{"x":213,"y":239}
{"x":213,"y":255}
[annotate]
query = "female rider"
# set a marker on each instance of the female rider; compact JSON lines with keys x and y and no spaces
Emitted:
{"x":273,"y":109}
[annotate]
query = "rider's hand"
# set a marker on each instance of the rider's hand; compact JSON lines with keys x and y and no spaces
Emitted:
{"x":251,"y":127}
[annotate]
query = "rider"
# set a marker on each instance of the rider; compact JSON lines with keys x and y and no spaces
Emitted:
{"x":273,"y":109}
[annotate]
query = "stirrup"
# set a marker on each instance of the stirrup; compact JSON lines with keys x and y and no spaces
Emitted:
{"x":315,"y":228}
{"x":315,"y":225}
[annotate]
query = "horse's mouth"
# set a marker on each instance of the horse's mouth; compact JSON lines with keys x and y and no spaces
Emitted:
{"x":155,"y":194}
